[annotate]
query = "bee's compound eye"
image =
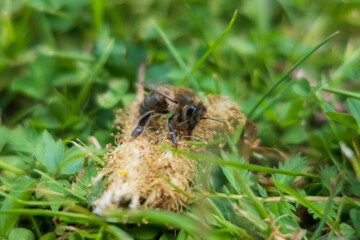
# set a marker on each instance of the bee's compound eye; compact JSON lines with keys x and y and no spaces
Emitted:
{"x":190,"y":110}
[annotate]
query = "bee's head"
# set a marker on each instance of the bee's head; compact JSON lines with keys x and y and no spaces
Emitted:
{"x":194,"y":113}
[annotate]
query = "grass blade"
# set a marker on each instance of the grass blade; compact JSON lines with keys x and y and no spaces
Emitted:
{"x":287,"y":74}
{"x":179,"y":190}
{"x":346,"y":66}
{"x":302,"y":199}
{"x":156,"y":217}
{"x":246,"y":166}
{"x":225,"y":223}
{"x":21,"y":190}
{"x":71,"y":55}
{"x":12,"y":169}
{"x":324,"y":217}
{"x":35,"y":203}
{"x":118,"y":232}
{"x":196,"y":22}
{"x":86,"y":89}
{"x":287,"y":197}
{"x":176,"y":55}
{"x":250,"y":194}
{"x":75,"y":194}
{"x":97,"y":7}
{"x":66,"y":216}
{"x":215,"y":44}
{"x":342,"y":92}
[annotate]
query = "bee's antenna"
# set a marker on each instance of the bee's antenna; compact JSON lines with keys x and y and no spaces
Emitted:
{"x":183,"y":122}
{"x":213,"y":119}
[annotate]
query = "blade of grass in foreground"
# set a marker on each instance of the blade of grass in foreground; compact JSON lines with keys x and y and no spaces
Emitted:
{"x":287,"y":74}
{"x":156,"y":217}
{"x":66,"y":216}
{"x":176,"y":55}
{"x":36,"y":203}
{"x":287,"y":197}
{"x":118,"y":232}
{"x":247,"y":166}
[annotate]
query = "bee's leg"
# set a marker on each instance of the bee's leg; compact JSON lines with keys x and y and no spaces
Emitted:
{"x":144,"y":119}
{"x":172,"y":132}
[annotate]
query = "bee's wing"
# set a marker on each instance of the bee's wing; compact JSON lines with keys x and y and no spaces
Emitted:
{"x":164,"y":89}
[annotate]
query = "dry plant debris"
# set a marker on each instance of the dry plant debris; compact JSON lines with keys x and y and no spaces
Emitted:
{"x":137,"y":169}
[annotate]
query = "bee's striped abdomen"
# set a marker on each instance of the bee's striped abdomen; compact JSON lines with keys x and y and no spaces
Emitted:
{"x":154,"y":102}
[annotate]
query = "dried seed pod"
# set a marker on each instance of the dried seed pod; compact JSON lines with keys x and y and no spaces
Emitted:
{"x":137,"y":169}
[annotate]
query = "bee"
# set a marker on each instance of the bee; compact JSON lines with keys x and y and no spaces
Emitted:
{"x":182,"y":103}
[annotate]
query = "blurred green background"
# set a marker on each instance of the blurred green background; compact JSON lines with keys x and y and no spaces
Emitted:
{"x":52,"y":73}
{"x":67,"y":65}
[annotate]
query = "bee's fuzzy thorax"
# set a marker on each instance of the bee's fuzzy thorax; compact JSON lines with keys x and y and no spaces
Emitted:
{"x":137,"y":169}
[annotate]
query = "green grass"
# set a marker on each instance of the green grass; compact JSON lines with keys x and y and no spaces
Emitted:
{"x":292,"y":66}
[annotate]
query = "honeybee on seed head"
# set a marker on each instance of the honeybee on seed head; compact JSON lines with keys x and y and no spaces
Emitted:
{"x":181,"y":102}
